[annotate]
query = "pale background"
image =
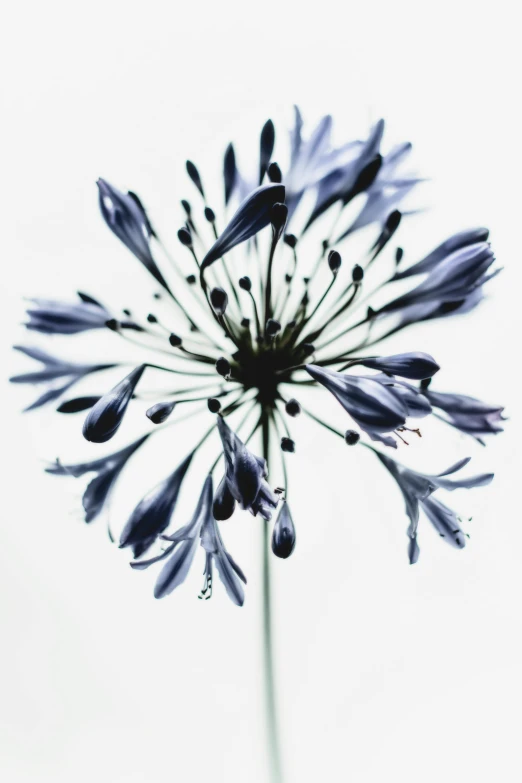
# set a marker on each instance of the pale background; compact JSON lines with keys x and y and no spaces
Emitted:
{"x":386,"y":671}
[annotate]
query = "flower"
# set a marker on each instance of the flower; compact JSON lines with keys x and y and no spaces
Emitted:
{"x":417,"y":489}
{"x":51,"y":316}
{"x":257,"y":309}
{"x":467,"y":414}
{"x":182,"y":549}
{"x":53,"y":369}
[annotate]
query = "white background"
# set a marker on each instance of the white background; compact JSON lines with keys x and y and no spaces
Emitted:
{"x":386,"y":671}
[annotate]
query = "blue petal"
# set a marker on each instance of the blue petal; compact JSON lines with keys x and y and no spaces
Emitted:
{"x":253,"y":215}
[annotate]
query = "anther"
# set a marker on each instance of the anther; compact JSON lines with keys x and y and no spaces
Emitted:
{"x":278,"y":218}
{"x":191,"y":279}
{"x":288,"y":445}
{"x":126,"y":312}
{"x":151,"y":318}
{"x":214,"y":405}
{"x":293,"y":408}
{"x":290,"y":240}
{"x":351,"y":437}
{"x":245,"y":283}
{"x":112,"y":324}
{"x":398,"y":255}
{"x":308,"y":349}
{"x":245,"y":323}
{"x":210,"y":215}
{"x":157,"y":295}
{"x":288,"y":278}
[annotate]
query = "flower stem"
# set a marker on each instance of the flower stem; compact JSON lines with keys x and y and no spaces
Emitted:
{"x":268,"y":642}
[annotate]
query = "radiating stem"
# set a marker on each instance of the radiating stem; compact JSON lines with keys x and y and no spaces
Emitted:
{"x":268,"y":642}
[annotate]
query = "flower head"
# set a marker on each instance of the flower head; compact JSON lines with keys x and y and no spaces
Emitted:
{"x":261,"y":309}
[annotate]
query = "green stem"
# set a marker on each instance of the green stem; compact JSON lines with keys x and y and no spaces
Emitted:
{"x":268,"y":641}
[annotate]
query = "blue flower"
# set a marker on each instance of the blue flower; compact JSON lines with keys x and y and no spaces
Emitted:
{"x":107,"y":470}
{"x":182,"y":548}
{"x":237,"y":342}
{"x":245,"y":474}
{"x":417,"y":488}
{"x":53,"y":370}
{"x":467,"y":414}
{"x":377,"y":403}
{"x":153,"y":513}
{"x":125,"y":216}
{"x":51,"y":316}
{"x":453,"y":285}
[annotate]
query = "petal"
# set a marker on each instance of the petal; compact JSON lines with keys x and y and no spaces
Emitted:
{"x":253,"y":214}
{"x":175,"y":570}
{"x":416,"y":366}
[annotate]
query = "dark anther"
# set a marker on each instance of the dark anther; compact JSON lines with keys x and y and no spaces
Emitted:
{"x":210,"y":215}
{"x":245,"y":283}
{"x":325,"y":243}
{"x":186,"y":207}
{"x":306,"y":280}
{"x":370,"y":313}
{"x":308,"y":349}
{"x":292,"y":407}
{"x":112,"y":324}
{"x":398,"y":255}
{"x":174,"y":340}
{"x":151,"y":318}
{"x":357,"y":273}
{"x":194,"y":176}
{"x":288,"y":278}
{"x":290,"y":240}
{"x":287,"y":444}
{"x":291,"y":324}
{"x":191,"y":279}
{"x":214,"y":405}
{"x":219,"y":300}
{"x":274,"y":173}
{"x":334,"y":261}
{"x":185,"y":237}
{"x":278,"y":218}
{"x":126,"y":312}
{"x":272,"y":327}
{"x":245,"y":323}
{"x":425,"y":383}
{"x":351,"y":437}
{"x":223,"y":367}
{"x":157,"y":295}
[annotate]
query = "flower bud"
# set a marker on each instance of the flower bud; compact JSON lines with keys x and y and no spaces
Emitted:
{"x":160,"y":412}
{"x":219,"y":300}
{"x":223,"y":367}
{"x":274,"y":173}
{"x":283,"y":536}
{"x":293,"y":408}
{"x":175,"y":341}
{"x":288,"y":445}
{"x":357,"y":273}
{"x":334,"y":261}
{"x":272,"y":327}
{"x":185,"y":237}
{"x":214,"y":405}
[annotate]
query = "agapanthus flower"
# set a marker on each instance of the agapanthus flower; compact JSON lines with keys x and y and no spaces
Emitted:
{"x":254,"y":317}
